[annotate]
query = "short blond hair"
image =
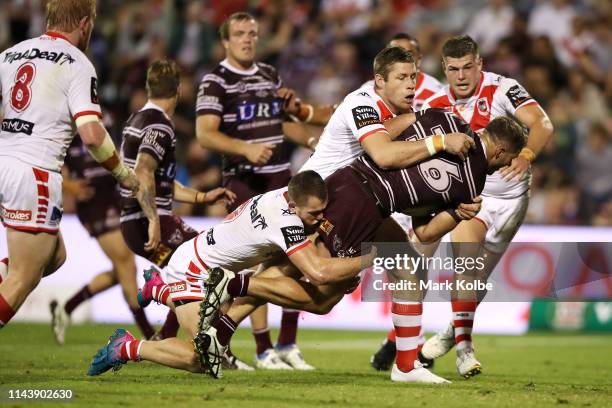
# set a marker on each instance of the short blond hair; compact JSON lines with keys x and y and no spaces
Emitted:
{"x":64,"y":15}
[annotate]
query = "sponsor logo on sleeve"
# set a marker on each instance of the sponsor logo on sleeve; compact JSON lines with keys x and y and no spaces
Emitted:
{"x":94,"y":91}
{"x":517,"y":95}
{"x":210,"y":239}
{"x":365,"y":116}
{"x":293,"y":235}
{"x":151,"y":139}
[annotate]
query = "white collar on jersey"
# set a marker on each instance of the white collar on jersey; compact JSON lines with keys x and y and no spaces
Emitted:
{"x":225,"y":63}
{"x":151,"y":105}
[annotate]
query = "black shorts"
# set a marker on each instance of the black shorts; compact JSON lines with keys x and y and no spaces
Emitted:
{"x":352,"y":215}
{"x":249,"y":185}
{"x":100,"y":214}
{"x":173,"y":233}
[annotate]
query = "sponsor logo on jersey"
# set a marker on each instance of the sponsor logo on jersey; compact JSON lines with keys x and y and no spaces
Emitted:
{"x":94,"y":91}
{"x":517,"y":95}
{"x":250,"y":111}
{"x":287,"y":211}
{"x":257,"y":219}
{"x":365,"y":116}
{"x":150,"y":139}
{"x":17,"y":126}
{"x":35,"y":53}
{"x":293,"y":235}
{"x":16,"y":215}
{"x":210,"y":240}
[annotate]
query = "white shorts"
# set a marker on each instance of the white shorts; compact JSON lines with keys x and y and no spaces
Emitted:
{"x":404,"y":221}
{"x":186,"y":273}
{"x":502,"y":217}
{"x":30,"y":198}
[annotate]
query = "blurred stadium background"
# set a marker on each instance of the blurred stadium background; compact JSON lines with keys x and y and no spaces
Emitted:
{"x":560,"y":50}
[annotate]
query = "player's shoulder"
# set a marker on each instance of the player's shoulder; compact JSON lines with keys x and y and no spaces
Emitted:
{"x":151,"y":117}
{"x":267,"y":68}
{"x":217,"y":75}
{"x":439,"y":99}
{"x":498,"y":80}
{"x":363,"y":95}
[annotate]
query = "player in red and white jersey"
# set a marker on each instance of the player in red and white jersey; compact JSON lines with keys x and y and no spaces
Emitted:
{"x":263,"y":229}
{"x":426,"y":85}
{"x":479,"y":97}
{"x":49,"y":90}
{"x":370,"y":118}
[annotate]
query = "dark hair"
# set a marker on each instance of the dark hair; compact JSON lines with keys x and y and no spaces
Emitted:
{"x":460,"y":46}
{"x":389,"y":56}
{"x":163,"y":79}
{"x":238,"y":16}
{"x":305,"y":184}
{"x":407,"y":37}
{"x":508,"y":131}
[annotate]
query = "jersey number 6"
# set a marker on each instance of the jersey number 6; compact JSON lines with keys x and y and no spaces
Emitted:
{"x":21,"y":92}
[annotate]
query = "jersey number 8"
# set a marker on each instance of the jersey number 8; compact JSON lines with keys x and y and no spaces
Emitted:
{"x":21,"y":92}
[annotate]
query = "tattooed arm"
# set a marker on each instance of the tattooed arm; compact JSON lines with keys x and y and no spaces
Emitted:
{"x":145,"y":173}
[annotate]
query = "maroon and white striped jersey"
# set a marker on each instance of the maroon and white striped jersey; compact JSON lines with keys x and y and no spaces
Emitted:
{"x":441,"y":182}
{"x":250,"y":110}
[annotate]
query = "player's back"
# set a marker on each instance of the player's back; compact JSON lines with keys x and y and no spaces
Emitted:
{"x":46,"y":83}
{"x":151,"y":131}
{"x":440,"y":182}
{"x":260,"y":229}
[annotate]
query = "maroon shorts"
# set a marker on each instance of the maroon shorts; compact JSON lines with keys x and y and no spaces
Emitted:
{"x":351,"y":217}
{"x":100,"y":214}
{"x":173,"y":233}
{"x":251,"y":184}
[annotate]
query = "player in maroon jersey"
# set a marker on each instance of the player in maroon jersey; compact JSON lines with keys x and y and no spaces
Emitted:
{"x":242,"y":108}
{"x":97,"y":207}
{"x":148,"y":225}
{"x":362,"y":195}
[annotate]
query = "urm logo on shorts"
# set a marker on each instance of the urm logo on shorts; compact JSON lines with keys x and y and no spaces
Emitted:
{"x":16,"y":215}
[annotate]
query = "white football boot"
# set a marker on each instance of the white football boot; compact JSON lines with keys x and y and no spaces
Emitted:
{"x":418,"y":374}
{"x":60,"y":320}
{"x":467,"y":365}
{"x":269,"y":360}
{"x":291,"y":355}
{"x":439,"y":344}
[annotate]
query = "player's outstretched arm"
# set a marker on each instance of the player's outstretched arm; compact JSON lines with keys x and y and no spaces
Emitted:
{"x":102,"y":149}
{"x":190,"y":195}
{"x":324,"y":270}
{"x":145,"y":168}
{"x":210,"y":137}
{"x":389,"y":154}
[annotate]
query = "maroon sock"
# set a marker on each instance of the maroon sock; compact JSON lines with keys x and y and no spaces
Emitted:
{"x":239,"y":285}
{"x":170,"y":327}
{"x":142,"y":322}
{"x":78,"y":298}
{"x":289,"y":325}
{"x":6,"y":312}
{"x":262,"y":340}
{"x":225,"y":329}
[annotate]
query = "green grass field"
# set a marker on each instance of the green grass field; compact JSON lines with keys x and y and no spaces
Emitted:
{"x":528,"y":371}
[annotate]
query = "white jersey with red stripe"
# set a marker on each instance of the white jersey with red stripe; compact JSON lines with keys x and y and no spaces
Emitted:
{"x":361,"y":114}
{"x":46,"y":83}
{"x":495,"y":96}
{"x":262,"y":228}
{"x":426,"y":86}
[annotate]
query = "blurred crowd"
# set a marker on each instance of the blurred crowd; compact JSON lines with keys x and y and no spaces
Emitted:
{"x":560,"y":50}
